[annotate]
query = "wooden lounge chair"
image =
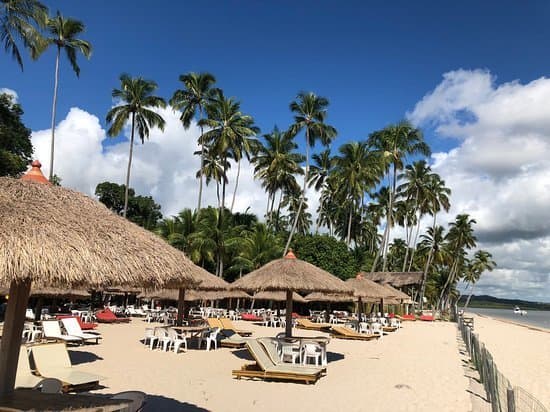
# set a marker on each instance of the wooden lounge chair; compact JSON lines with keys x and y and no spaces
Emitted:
{"x":24,"y":377}
{"x":270,"y":346}
{"x":341,"y":332}
{"x":230,"y":339}
{"x":406,"y":317}
{"x":266,"y":369}
{"x":227,"y":324}
{"x":303,"y":323}
{"x":389,"y":328}
{"x":52,"y":361}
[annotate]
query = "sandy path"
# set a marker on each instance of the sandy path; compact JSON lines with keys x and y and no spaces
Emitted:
{"x":521,"y":354}
{"x":415,"y":369}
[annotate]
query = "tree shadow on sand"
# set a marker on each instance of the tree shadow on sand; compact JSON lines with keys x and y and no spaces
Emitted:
{"x":161,"y":403}
{"x":79,"y":357}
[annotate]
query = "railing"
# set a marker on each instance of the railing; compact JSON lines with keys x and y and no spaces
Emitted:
{"x":501,"y":394}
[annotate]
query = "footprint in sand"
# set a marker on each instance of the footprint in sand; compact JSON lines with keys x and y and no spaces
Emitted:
{"x":402,"y":386}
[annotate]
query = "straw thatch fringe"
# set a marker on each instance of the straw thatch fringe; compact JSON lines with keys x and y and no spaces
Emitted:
{"x":278,"y":296}
{"x":193,"y":295}
{"x":368,"y":290}
{"x":53,"y":292}
{"x":61,"y":238}
{"x":397,"y":279}
{"x":291,"y":274}
{"x":329,"y":297}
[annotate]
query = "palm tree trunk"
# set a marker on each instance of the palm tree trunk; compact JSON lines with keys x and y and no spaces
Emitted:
{"x":390,"y":218}
{"x":348,"y":237}
{"x":279,"y":210}
{"x":54,"y":108}
{"x":302,"y":198}
{"x":450,"y":278}
{"x":379,"y":251}
{"x":202,"y":163}
{"x":236,"y":184}
{"x":415,"y":241}
{"x":129,"y":167}
{"x":469,"y":297}
{"x":426,"y":268}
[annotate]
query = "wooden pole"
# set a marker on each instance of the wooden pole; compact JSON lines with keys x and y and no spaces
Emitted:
{"x":11,"y":336}
{"x":359,"y":309}
{"x":181,"y":306}
{"x":288,"y":329}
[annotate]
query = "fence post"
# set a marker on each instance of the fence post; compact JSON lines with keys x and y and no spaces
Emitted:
{"x":510,"y":399}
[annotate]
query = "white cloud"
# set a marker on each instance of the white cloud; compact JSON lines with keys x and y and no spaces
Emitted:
{"x":499,"y":173}
{"x":13,"y":93}
{"x":163,"y":167}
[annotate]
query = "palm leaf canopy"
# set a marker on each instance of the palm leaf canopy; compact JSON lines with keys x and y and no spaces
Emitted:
{"x":57,"y":237}
{"x":291,"y":274}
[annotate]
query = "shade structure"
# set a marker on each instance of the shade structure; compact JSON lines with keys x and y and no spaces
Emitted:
{"x":290,"y":274}
{"x":54,"y":292}
{"x":329,"y":297}
{"x":194,"y":295}
{"x":400,"y":297}
{"x":397,"y":279}
{"x":278,"y":296}
{"x":368,"y":290}
{"x":55,"y":237}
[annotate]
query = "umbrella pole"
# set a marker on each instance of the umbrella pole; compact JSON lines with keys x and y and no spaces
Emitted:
{"x":327,"y":313}
{"x":38,"y":309}
{"x":359,"y":310}
{"x":288,"y":329}
{"x":181,"y":306}
{"x":13,"y":330}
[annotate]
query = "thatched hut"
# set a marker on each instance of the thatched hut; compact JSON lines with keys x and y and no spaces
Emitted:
{"x":279,"y":296}
{"x":396,"y":279}
{"x":290,"y":274}
{"x":56,"y":237}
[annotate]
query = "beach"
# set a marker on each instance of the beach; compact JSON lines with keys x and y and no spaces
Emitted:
{"x":522,"y":353}
{"x":417,"y":368}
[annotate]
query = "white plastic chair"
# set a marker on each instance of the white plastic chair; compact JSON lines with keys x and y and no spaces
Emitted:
{"x":176,"y":340}
{"x":364,"y":328}
{"x":311,"y":351}
{"x":376,"y":329}
{"x":212,"y":338}
{"x":150,"y":337}
{"x":273,"y":321}
{"x":162,"y":338}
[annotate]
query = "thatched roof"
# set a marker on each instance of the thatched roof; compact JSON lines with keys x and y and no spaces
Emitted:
{"x":398,"y":295}
{"x":53,"y":292}
{"x":62,"y":238}
{"x":329,"y":297}
{"x":290,"y":273}
{"x":368,"y":290}
{"x":397,"y":279}
{"x":278,"y":296}
{"x":193,"y":295}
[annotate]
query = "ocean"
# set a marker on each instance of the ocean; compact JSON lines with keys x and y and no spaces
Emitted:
{"x":538,"y":318}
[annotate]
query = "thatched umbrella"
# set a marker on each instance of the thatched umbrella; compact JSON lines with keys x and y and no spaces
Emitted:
{"x":400,"y":297}
{"x":277,"y":296}
{"x":291,"y":275}
{"x":53,"y":236}
{"x":366,"y":290}
{"x":194,"y":294}
{"x":329,"y":297}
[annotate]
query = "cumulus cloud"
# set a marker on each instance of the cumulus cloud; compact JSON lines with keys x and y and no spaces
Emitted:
{"x":499,"y":172}
{"x":13,"y":93}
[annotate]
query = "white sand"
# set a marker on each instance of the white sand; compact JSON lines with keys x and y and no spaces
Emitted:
{"x":416,"y":369}
{"x":522,"y":354}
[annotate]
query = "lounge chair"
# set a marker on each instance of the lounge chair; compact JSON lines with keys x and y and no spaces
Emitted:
{"x":53,"y":331}
{"x":251,"y":317}
{"x":107,"y":316}
{"x":265,"y":368}
{"x":303,"y":323}
{"x":73,"y":328}
{"x":407,"y":317}
{"x":24,"y":377}
{"x":52,"y":361}
{"x":427,"y":318}
{"x":341,"y":332}
{"x":230,"y":339}
{"x":227,"y":324}
{"x":87,"y":326}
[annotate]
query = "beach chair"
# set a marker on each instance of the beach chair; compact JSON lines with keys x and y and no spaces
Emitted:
{"x":406,"y":317}
{"x":266,"y":369}
{"x":52,"y":361}
{"x":341,"y":332}
{"x":85,"y":326}
{"x":73,"y":328}
{"x":107,"y":316}
{"x":24,"y":377}
{"x":227,"y":324}
{"x":229,"y":338}
{"x":53,"y":331}
{"x":302,"y":323}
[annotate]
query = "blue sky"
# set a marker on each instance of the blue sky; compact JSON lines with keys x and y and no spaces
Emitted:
{"x":373,"y":61}
{"x":470,"y":73}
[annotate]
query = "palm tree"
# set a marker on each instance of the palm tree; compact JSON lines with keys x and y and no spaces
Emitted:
{"x":310,"y":113}
{"x":136,"y":96}
{"x":214,"y":168}
{"x":64,"y":32}
{"x":432,"y":242}
{"x":395,"y":143}
{"x":483,"y":261}
{"x":228,"y":130}
{"x":19,"y":20}
{"x":197,"y":93}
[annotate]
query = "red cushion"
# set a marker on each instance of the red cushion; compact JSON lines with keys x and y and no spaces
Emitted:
{"x":408,"y":317}
{"x":83,"y":325}
{"x":427,"y":318}
{"x":250,"y":317}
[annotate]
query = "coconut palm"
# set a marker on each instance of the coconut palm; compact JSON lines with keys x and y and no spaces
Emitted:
{"x":19,"y":21}
{"x":191,"y":100}
{"x":63,"y":33}
{"x":395,"y":143}
{"x":482,"y":261}
{"x":137,"y":100}
{"x":310,"y":113}
{"x":214,"y":168}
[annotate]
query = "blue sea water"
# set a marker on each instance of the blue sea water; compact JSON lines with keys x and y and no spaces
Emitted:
{"x":537,"y":318}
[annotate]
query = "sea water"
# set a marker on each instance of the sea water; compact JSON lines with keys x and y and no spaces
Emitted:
{"x":539,"y":318}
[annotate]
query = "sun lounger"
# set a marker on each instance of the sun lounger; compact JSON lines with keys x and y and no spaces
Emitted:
{"x":87,"y":326}
{"x":303,"y":323}
{"x":24,"y":377}
{"x":52,"y":361}
{"x":427,"y":318}
{"x":341,"y":332}
{"x":227,"y":324}
{"x":53,"y":331}
{"x":107,"y":316}
{"x":266,"y":369}
{"x":389,"y":328}
{"x":407,"y":317}
{"x":251,"y":317}
{"x":73,"y":328}
{"x":230,"y":338}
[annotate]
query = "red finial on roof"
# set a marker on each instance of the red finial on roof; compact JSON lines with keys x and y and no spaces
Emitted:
{"x":359,"y":276}
{"x":290,"y":254}
{"x":35,"y":174}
